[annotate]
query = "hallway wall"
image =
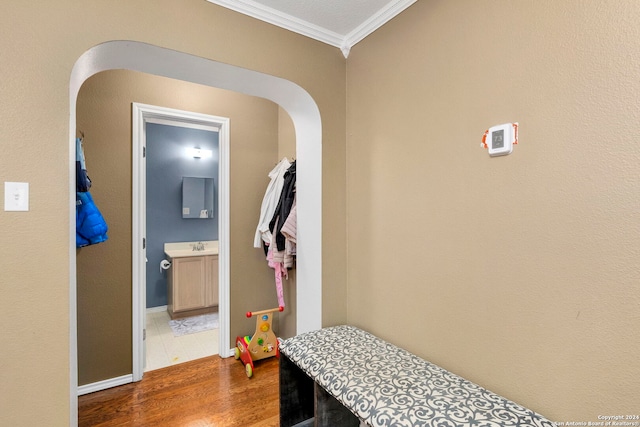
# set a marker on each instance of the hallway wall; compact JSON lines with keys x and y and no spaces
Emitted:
{"x":519,"y":273}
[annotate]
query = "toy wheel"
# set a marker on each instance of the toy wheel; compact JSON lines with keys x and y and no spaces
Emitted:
{"x":249,"y":370}
{"x":236,"y":353}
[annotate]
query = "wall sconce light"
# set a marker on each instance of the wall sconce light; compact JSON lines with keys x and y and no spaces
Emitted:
{"x":198,"y":153}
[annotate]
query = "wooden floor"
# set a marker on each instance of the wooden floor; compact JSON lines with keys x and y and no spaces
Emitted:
{"x":202,"y":393}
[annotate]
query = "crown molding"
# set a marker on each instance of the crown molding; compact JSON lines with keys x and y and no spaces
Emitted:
{"x":384,"y":15}
{"x":283,"y":20}
{"x":291,"y":23}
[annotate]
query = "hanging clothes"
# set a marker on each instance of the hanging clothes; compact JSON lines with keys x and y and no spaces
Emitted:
{"x":276,"y":206}
{"x":269,"y":203}
{"x":290,"y":230}
{"x":83,"y":183}
{"x":280,"y":272}
{"x":281,"y":262}
{"x":285,"y":257}
{"x":91,"y":228}
{"x":284,"y":206}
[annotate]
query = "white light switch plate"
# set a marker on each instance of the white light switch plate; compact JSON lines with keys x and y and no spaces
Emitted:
{"x":16,"y":196}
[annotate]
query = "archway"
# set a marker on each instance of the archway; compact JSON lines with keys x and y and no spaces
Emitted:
{"x":292,"y":98}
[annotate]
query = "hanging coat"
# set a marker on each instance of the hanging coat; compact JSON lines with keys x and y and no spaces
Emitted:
{"x":91,"y":228}
{"x":269,"y":203}
{"x":83,"y":183}
{"x":284,"y":206}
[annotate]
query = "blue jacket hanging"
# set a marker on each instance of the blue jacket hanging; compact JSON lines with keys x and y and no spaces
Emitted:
{"x":91,"y":228}
{"x":83,"y":183}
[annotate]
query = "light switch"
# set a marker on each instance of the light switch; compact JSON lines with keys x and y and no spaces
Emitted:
{"x":16,"y":196}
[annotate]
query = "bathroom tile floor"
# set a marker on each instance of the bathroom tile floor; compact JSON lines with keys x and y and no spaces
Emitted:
{"x":163,"y":349}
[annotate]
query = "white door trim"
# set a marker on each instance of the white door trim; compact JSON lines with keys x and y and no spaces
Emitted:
{"x":301,"y":107}
{"x":141,"y":115}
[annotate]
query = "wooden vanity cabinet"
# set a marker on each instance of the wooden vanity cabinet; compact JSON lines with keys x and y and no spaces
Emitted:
{"x":192,"y":286}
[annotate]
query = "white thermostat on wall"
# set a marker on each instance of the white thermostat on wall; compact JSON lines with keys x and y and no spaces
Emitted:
{"x":499,"y":140}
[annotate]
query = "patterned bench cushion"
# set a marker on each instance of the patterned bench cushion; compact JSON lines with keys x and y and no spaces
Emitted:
{"x":387,"y":386}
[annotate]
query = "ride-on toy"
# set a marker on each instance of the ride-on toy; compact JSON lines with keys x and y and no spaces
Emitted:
{"x":262,"y":344}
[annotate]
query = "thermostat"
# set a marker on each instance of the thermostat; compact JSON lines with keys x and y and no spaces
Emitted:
{"x":499,"y":139}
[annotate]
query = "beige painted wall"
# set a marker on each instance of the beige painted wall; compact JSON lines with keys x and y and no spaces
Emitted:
{"x":520,"y":273}
{"x":104,"y":271}
{"x":39,"y":44}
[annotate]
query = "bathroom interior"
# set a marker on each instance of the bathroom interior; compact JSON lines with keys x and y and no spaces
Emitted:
{"x":181,"y":244}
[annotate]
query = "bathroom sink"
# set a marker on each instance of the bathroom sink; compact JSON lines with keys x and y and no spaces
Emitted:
{"x":185,"y":249}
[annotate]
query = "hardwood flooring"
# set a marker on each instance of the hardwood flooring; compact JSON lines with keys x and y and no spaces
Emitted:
{"x":203,"y":393}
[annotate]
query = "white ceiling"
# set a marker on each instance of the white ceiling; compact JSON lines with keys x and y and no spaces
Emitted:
{"x":339,"y":23}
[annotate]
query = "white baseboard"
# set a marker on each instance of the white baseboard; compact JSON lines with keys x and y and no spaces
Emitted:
{"x":156,"y":309}
{"x":105,"y":384}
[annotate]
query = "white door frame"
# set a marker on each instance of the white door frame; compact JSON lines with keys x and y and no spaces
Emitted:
{"x":301,"y":107}
{"x":141,"y":115}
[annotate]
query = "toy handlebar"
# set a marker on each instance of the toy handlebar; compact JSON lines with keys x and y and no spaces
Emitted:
{"x":257,"y":313}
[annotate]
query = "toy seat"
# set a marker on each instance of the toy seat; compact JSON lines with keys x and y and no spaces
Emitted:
{"x":262,"y":344}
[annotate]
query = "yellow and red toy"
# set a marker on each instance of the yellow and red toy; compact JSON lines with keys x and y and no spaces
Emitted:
{"x":262,"y":344}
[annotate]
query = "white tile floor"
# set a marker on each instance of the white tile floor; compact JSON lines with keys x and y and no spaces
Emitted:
{"x":163,"y":349}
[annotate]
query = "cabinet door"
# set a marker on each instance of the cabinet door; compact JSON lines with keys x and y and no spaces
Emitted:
{"x":188,"y":283}
{"x":212,"y":280}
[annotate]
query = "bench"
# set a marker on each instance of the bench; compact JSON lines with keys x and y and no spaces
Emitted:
{"x":344,"y":376}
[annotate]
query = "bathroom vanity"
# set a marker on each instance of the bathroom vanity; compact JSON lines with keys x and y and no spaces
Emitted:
{"x":192,"y":279}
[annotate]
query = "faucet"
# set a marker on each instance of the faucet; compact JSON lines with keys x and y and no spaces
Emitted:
{"x":198,"y":246}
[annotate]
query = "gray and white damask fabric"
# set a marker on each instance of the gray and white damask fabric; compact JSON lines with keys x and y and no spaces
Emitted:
{"x":387,"y":386}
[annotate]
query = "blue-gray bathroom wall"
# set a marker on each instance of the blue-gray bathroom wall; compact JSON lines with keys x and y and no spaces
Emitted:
{"x":167,"y":163}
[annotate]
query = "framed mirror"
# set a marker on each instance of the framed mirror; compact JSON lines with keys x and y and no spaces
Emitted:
{"x":197,"y":197}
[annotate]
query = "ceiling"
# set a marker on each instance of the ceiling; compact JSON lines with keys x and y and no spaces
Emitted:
{"x":339,"y":23}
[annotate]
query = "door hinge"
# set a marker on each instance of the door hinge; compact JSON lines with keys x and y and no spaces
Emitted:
{"x":144,"y":334}
{"x":144,"y":243}
{"x":144,"y":151}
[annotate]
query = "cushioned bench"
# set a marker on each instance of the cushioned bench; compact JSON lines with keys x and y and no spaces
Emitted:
{"x":344,"y":376}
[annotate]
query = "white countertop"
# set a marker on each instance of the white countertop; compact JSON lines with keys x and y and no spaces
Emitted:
{"x":185,"y":249}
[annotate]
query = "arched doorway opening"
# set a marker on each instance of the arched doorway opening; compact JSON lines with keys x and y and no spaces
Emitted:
{"x":292,"y":98}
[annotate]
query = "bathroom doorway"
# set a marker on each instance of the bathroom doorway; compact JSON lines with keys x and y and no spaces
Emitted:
{"x":148,"y":121}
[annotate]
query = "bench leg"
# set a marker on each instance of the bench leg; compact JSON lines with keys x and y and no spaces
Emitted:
{"x":329,"y":412}
{"x":296,"y":394}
